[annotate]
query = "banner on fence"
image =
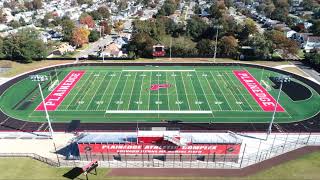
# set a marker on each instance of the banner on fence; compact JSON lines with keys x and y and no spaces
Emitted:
{"x":202,"y":149}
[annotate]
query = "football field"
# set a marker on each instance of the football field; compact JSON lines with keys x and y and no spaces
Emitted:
{"x":154,"y":94}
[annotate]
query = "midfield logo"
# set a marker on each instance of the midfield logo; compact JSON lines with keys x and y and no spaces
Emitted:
{"x":156,"y":87}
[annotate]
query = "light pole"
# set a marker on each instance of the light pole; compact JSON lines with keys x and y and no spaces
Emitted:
{"x":41,"y":78}
{"x":170,"y":47}
{"x":281,"y":79}
{"x":216,"y":44}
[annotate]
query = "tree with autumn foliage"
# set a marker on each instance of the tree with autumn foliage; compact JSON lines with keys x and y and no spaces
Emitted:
{"x":281,"y":42}
{"x":80,"y":36}
{"x":229,"y":45}
{"x":119,"y":26}
{"x":106,"y":28}
{"x":86,"y":19}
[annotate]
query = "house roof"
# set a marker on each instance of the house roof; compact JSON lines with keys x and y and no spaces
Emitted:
{"x":315,"y":39}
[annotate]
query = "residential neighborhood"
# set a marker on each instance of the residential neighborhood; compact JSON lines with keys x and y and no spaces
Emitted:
{"x":105,"y":28}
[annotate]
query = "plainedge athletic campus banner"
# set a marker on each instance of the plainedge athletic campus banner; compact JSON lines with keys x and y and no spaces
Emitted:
{"x":55,"y":98}
{"x":201,"y":149}
{"x":262,"y":97}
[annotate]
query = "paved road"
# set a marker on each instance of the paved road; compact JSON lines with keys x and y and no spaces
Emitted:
{"x":93,"y":47}
{"x":308,"y":70}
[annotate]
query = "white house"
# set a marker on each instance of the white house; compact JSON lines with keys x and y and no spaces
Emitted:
{"x":313,"y":42}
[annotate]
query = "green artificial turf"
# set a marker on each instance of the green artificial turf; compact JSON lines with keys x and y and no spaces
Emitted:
{"x":212,"y":94}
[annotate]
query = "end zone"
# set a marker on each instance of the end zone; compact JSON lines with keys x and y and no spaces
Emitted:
{"x":261,"y":96}
{"x":55,"y":98}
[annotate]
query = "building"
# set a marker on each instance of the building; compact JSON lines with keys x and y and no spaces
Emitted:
{"x":312,"y":43}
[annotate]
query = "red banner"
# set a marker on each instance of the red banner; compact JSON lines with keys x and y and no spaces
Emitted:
{"x":202,"y":149}
{"x":55,"y":98}
{"x":262,"y":97}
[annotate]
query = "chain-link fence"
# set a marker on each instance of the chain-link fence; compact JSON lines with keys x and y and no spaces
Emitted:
{"x":33,"y":156}
{"x":252,"y":151}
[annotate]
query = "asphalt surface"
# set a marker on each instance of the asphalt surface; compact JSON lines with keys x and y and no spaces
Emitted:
{"x":308,"y":70}
{"x":94,"y":47}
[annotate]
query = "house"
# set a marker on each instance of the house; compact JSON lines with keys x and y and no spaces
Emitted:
{"x":112,"y":50}
{"x":312,"y":42}
{"x":62,"y":49}
{"x":119,"y":42}
{"x":301,"y":37}
{"x":289,"y":33}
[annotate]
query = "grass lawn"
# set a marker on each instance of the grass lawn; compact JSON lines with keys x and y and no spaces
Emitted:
{"x":306,"y":167}
{"x":18,"y":68}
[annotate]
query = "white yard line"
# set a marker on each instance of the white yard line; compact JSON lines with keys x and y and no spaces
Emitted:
{"x":213,"y":77}
{"x":140,"y":91}
{"x":158,"y":93}
{"x":96,"y":90}
{"x":78,"y":91}
{"x":168,"y":91}
{"x":192,"y":90}
{"x":213,"y":93}
{"x":175,"y":83}
{"x":239,"y":91}
{"x":157,"y":112}
{"x":87,"y":92}
{"x":135,"y":77}
{"x":104,"y":93}
{"x":149,"y":92}
{"x":114,"y":90}
{"x":223,"y":80}
{"x":203,"y":91}
{"x":158,"y":70}
{"x":124,"y":88}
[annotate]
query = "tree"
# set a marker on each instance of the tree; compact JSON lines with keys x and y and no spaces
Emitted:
{"x":1,"y":48}
{"x":67,"y":29}
{"x":104,"y":11}
{"x":141,"y":44}
{"x":3,"y":18}
{"x":94,"y":36}
{"x":167,"y":8}
{"x":33,"y":5}
{"x":282,"y":43}
{"x":122,"y":5}
{"x":197,"y":9}
{"x":310,"y":5}
{"x":281,"y":10}
{"x":85,"y":2}
{"x":14,"y":24}
{"x":228,"y":45}
{"x":250,"y":28}
{"x":24,"y":46}
{"x":119,"y":26}
{"x":206,"y":47}
{"x":196,"y":27}
{"x":262,"y":46}
{"x":80,"y":36}
{"x":313,"y":58}
{"x":101,"y":13}
{"x":87,"y":20}
{"x":106,"y":28}
{"x":315,"y":28}
{"x":217,"y":9}
{"x":37,"y":4}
